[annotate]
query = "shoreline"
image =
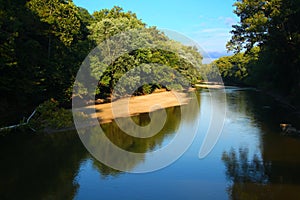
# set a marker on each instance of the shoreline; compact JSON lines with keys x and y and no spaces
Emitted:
{"x":281,"y":99}
{"x":215,"y":86}
{"x":136,"y":105}
{"x":295,"y":108}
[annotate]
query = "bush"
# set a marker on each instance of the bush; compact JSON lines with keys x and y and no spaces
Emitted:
{"x":50,"y":115}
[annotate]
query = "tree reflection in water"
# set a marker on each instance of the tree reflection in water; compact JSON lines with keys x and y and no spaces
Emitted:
{"x":140,"y":145}
{"x":245,"y":175}
{"x":40,"y":166}
{"x":46,"y":166}
{"x":274,"y":172}
{"x":102,"y":143}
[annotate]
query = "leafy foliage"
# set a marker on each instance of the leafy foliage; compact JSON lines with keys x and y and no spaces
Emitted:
{"x":49,"y":115}
{"x":273,"y":26}
{"x":125,"y":43}
{"x":43,"y":44}
{"x":237,"y":69}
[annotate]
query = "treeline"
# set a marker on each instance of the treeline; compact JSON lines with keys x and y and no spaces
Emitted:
{"x":44,"y":42}
{"x":266,"y":44}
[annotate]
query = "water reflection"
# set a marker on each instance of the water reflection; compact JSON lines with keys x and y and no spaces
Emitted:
{"x":40,"y":167}
{"x":252,"y":160}
{"x":47,"y":166}
{"x":258,"y":179}
{"x":241,"y":169}
{"x":112,"y":146}
{"x":242,"y":172}
{"x":273,"y":171}
{"x":143,"y":145}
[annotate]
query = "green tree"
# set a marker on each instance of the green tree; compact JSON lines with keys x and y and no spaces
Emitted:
{"x":42,"y":44}
{"x":22,"y":52}
{"x":60,"y":15}
{"x":237,"y":69}
{"x":68,"y":44}
{"x":272,"y":25}
{"x":119,"y":52}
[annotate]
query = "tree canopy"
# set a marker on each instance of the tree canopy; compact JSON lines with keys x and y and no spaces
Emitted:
{"x":126,"y":43}
{"x":274,"y":28}
{"x":43,"y":44}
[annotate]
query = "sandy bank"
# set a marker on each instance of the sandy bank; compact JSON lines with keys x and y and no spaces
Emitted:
{"x":216,"y":86}
{"x":138,"y":104}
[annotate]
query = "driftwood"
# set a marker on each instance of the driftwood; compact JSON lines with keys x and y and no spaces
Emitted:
{"x":288,"y":129}
{"x":21,"y":124}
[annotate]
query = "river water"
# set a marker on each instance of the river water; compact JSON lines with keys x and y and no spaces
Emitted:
{"x":251,"y":160}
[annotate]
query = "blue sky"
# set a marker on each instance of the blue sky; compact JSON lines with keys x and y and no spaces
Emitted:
{"x":208,"y":22}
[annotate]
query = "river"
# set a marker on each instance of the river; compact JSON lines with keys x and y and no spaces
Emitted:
{"x":251,"y":159}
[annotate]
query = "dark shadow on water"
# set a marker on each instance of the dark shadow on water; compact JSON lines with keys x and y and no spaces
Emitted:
{"x":274,"y":172}
{"x":46,"y":166}
{"x":40,"y":167}
{"x":254,"y":178}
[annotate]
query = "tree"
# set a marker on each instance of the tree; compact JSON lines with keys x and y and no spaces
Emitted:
{"x":67,"y":43}
{"x":21,"y":48}
{"x":273,"y":26}
{"x":237,"y":69}
{"x":124,"y":42}
{"x":60,"y":15}
{"x":42,"y":44}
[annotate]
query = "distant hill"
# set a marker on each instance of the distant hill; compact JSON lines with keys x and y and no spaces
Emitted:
{"x":213,"y":55}
{"x":216,"y":54}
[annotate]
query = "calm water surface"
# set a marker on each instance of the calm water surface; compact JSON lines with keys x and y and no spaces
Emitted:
{"x":251,"y":160}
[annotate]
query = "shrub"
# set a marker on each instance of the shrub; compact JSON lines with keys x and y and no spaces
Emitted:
{"x":50,"y":115}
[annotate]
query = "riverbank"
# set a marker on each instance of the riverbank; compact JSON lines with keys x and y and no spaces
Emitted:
{"x":210,"y":85}
{"x":283,"y":100}
{"x":51,"y":119}
{"x":135,"y":105}
{"x":289,"y":101}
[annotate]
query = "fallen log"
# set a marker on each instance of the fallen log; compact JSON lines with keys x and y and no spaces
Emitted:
{"x":21,"y":124}
{"x":288,"y":129}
